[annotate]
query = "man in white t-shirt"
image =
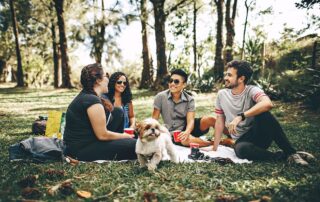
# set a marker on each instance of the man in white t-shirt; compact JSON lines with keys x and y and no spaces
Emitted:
{"x":244,"y":110}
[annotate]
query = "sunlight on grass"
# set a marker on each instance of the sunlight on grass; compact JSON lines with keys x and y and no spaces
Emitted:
{"x":171,"y":182}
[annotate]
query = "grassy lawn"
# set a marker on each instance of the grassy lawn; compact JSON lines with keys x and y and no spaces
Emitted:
{"x":126,"y":182}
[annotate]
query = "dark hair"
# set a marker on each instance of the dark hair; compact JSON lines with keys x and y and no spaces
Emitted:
{"x":89,"y":75}
{"x":126,"y":96}
{"x":181,"y":73}
{"x":243,"y":69}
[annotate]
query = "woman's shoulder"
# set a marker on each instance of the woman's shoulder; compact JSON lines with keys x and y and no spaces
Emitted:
{"x":88,"y":97}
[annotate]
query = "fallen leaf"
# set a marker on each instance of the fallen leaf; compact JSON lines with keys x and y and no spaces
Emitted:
{"x":84,"y":194}
{"x":66,"y":188}
{"x":265,"y":199}
{"x":226,"y":198}
{"x":72,"y":161}
{"x":54,"y":189}
{"x":149,"y":197}
{"x":54,"y":174}
{"x":31,"y":193}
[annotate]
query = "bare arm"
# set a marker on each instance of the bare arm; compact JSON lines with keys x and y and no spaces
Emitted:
{"x":97,"y":119}
{"x":156,"y":113}
{"x":190,"y":125}
{"x":132,"y":119}
{"x":218,"y":129}
{"x":264,"y":104}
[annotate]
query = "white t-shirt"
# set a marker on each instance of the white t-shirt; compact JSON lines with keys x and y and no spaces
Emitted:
{"x":229,"y":105}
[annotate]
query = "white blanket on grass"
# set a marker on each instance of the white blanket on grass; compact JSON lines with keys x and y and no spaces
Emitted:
{"x":183,"y":152}
{"x":222,"y":151}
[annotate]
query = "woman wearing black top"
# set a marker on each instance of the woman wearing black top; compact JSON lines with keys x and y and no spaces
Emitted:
{"x":86,"y":135}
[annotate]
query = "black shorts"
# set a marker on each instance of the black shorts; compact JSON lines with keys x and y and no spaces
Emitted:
{"x":196,"y":132}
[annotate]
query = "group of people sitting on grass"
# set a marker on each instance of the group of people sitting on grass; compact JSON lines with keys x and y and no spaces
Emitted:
{"x":96,"y":118}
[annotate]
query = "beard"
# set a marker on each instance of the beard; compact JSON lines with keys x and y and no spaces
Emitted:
{"x":230,"y":85}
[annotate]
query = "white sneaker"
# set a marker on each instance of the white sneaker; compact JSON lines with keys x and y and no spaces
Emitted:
{"x":307,"y":156}
{"x":296,"y":158}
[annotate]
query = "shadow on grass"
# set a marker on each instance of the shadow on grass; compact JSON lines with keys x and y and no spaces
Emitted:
{"x":48,"y":109}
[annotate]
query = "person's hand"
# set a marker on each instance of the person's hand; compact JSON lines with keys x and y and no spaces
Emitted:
{"x":183,"y":136}
{"x":232,"y":126}
{"x":127,"y":135}
{"x":207,"y":149}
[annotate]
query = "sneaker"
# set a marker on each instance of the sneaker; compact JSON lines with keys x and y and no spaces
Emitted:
{"x":296,"y":158}
{"x":307,"y":156}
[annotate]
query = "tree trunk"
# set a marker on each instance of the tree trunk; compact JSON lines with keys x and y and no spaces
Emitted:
{"x":99,"y":37}
{"x":56,"y":67}
{"x":159,"y":24}
{"x":218,"y":62}
{"x":66,"y":80}
{"x":245,"y":27}
{"x":146,"y":77}
{"x":230,"y":20}
{"x":20,"y":80}
{"x":195,"y":36}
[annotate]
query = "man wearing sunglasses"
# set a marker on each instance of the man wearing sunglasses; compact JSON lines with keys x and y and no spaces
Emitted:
{"x":177,"y":109}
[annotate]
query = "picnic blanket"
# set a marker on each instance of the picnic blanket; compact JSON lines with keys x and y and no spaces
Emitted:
{"x":183,"y":152}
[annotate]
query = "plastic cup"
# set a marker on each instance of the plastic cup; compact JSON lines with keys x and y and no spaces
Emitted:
{"x":194,"y":145}
{"x":129,"y":131}
{"x":175,"y":135}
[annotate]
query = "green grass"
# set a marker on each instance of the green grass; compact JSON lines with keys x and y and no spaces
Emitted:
{"x":127,"y":182}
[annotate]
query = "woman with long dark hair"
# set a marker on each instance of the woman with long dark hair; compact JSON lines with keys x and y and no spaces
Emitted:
{"x":121,"y":97}
{"x":86,"y":135}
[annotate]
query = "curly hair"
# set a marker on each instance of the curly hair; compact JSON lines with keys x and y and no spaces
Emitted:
{"x":89,"y":75}
{"x":126,"y":96}
{"x":243,"y":69}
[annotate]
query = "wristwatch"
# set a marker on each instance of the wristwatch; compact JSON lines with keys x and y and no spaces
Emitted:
{"x":243,"y":117}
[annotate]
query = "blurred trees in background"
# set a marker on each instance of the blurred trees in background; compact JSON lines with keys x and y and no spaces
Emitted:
{"x":38,"y":37}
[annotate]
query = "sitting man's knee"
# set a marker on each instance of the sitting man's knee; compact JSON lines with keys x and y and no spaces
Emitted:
{"x":242,"y":150}
{"x":208,"y":120}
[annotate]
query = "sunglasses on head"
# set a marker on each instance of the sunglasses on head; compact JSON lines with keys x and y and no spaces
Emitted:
{"x":175,"y":81}
{"x":119,"y":82}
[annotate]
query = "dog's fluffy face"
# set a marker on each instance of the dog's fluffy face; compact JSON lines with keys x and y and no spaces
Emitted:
{"x":149,"y":130}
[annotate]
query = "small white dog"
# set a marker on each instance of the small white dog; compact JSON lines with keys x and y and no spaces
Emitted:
{"x":154,"y":139}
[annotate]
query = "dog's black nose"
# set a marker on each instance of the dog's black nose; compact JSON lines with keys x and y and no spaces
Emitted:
{"x":152,"y":129}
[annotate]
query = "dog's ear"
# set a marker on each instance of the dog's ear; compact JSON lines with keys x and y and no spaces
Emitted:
{"x":139,"y":127}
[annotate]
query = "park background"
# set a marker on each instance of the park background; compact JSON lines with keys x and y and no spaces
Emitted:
{"x":44,"y":45}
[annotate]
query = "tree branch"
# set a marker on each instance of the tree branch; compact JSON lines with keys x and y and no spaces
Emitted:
{"x":175,"y":7}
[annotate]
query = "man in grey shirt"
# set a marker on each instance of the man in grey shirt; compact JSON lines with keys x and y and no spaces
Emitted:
{"x":177,"y":109}
{"x":244,"y":109}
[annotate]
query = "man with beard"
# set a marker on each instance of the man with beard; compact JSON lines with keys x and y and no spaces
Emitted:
{"x":244,"y":110}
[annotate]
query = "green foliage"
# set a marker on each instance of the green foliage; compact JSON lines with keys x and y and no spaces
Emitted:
{"x":181,"y":182}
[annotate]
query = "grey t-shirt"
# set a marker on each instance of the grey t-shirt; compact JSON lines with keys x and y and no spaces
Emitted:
{"x":174,"y":115}
{"x":229,"y":105}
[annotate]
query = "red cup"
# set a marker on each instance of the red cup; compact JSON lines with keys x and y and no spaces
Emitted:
{"x":175,"y":135}
{"x":194,"y":145}
{"x":129,"y":131}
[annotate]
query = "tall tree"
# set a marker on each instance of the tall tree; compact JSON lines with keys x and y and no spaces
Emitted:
{"x":159,"y":24}
{"x":146,"y":76}
{"x":66,"y":80}
{"x":230,"y":20}
{"x":218,"y":62}
{"x":248,"y":6}
{"x":98,"y":35}
{"x":55,"y":55}
{"x":20,"y":80}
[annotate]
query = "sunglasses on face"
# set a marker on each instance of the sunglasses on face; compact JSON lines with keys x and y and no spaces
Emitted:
{"x":119,"y":82}
{"x":175,"y":81}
